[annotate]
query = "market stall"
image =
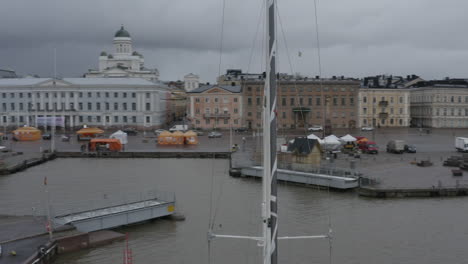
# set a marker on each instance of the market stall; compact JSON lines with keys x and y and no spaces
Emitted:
{"x":26,"y":134}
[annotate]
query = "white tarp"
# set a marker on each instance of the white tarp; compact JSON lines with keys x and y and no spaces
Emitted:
{"x":120,"y":135}
{"x":348,"y":138}
{"x":312,"y":136}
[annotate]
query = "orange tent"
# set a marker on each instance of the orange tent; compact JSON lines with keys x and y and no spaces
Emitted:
{"x":111,"y":144}
{"x":27,"y":134}
{"x":88,"y":133}
{"x":362,"y":140}
{"x":178,"y":138}
{"x":190,"y":138}
{"x":168,"y":138}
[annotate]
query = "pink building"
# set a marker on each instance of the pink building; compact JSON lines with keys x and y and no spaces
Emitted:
{"x":215,"y":106}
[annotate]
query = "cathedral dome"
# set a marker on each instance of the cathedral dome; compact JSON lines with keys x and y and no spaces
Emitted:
{"x":122,"y":33}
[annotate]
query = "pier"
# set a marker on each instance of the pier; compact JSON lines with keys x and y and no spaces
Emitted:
{"x":146,"y":154}
{"x":413,"y":192}
{"x":337,"y":182}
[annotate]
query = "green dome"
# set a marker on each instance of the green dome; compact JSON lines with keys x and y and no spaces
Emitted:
{"x":122,"y":33}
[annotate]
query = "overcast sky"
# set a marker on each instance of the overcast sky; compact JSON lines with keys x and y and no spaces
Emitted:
{"x":358,"y":38}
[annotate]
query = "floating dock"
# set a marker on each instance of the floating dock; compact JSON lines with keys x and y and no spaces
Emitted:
{"x":337,"y":182}
{"x":115,"y":216}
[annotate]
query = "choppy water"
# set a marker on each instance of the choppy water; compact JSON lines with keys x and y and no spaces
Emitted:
{"x":365,"y":230}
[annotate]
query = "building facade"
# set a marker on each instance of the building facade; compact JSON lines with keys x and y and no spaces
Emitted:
{"x":305,"y":102}
{"x":384,"y":107}
{"x":124,"y":62}
{"x":213,"y":106}
{"x":102,"y":102}
{"x":191,"y":82}
{"x":440,"y":106}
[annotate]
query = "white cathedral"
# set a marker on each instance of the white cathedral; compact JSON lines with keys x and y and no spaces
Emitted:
{"x":124,"y":62}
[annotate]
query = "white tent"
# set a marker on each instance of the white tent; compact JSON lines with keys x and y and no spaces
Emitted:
{"x":120,"y":135}
{"x":331,"y":142}
{"x":312,"y":136}
{"x":348,"y":138}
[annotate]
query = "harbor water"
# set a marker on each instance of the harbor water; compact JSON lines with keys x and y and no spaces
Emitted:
{"x":364,"y":230}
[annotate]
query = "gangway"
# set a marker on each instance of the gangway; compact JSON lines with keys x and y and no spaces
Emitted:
{"x":119,"y":215}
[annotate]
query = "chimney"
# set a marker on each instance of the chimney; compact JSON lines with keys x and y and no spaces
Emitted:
{"x":317,"y":77}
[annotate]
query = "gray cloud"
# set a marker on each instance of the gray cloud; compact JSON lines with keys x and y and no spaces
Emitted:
{"x":358,"y":38}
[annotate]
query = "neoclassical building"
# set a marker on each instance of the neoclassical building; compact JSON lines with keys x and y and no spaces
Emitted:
{"x":124,"y":62}
{"x":440,"y":105}
{"x":103,"y":102}
{"x":384,"y":107}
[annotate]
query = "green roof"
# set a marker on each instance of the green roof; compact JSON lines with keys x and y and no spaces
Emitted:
{"x":122,"y":33}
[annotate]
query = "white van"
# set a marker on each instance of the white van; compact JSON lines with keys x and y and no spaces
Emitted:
{"x":182,"y":128}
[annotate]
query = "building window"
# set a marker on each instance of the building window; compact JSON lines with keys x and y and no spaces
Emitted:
{"x":133,"y":106}
{"x":72,"y":95}
{"x":124,"y":95}
{"x":343,"y":100}
{"x":89,"y":96}
{"x":249,"y":89}
{"x":148,"y":119}
{"x":249,"y":114}
{"x":80,"y":95}
{"x":301,"y":101}
{"x":364,"y":99}
{"x":235,"y":99}
{"x":216,"y":99}
{"x":148,"y":107}
{"x":107,"y":106}
{"x":47,"y":106}
{"x":20,"y":106}
{"x":351,"y":101}
{"x":116,"y":119}
{"x":235,"y":110}
{"x":291,"y":101}
{"x":125,"y":119}
{"x":98,"y":94}
{"x":452,"y":111}
{"x":90,"y":119}
{"x":197,"y":111}
{"x":197,"y":100}
{"x":207,"y":121}
{"x":317,"y":101}
{"x":4,"y":95}
{"x":116,"y":106}
{"x":107,"y":94}
{"x":38,"y":106}
{"x":401,"y":111}
{"x":207,"y":100}
{"x":283,"y":101}
{"x":310,"y":100}
{"x":107,"y":119}
{"x":89,"y":106}
{"x":98,"y":119}
{"x":124,"y":106}
{"x":148,"y":95}
{"x":249,"y":101}
{"x":116,"y":95}
{"x":20,"y":95}
{"x":4,"y":119}
{"x":284,"y":115}
{"x":12,"y":95}
{"x":364,"y":110}
{"x":258,"y":100}
{"x":225,"y":121}
{"x":374,"y":100}
{"x":98,"y":106}
{"x":133,"y":95}
{"x":13,"y":119}
{"x":445,"y":111}
{"x":80,"y":106}
{"x":134,"y":119}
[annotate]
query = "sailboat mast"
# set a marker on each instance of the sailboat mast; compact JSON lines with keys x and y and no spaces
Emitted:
{"x":270,"y":225}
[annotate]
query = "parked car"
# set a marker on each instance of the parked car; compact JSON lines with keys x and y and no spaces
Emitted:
{"x":130,"y":131}
{"x":315,"y":128}
{"x":46,"y":136}
{"x":215,"y":134}
{"x":396,"y":146}
{"x":367,"y":128}
{"x":199,"y":132}
{"x":369,"y":147}
{"x":241,"y":129}
{"x":410,"y":148}
{"x":158,"y":131}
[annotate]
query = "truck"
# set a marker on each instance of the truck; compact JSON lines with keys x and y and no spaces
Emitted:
{"x":461,"y":144}
{"x":369,"y":147}
{"x":182,"y":128}
{"x":396,"y":146}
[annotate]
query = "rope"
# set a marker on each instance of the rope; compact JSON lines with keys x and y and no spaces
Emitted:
{"x":324,"y":103}
{"x":255,"y":36}
{"x":221,"y":38}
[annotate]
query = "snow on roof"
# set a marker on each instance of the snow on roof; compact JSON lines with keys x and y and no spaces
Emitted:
{"x":108,"y":81}
{"x":21,"y":81}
